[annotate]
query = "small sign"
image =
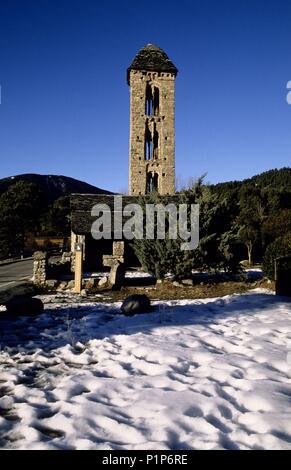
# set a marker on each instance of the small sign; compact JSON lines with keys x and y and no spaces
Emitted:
{"x":78,"y":246}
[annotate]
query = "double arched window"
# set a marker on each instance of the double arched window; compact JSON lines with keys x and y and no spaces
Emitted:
{"x":152,"y":104}
{"x":151,"y":142}
{"x":152,"y":182}
{"x":148,"y":143}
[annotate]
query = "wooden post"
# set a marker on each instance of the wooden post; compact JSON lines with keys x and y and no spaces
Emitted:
{"x":78,"y":267}
{"x":276,"y":275}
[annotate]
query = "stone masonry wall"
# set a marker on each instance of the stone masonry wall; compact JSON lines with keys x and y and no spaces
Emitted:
{"x":40,"y":267}
{"x":164,"y":165}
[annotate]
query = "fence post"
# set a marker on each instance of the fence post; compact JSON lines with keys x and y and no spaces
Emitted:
{"x":78,"y":267}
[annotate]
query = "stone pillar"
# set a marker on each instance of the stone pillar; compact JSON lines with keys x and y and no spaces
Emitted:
{"x":116,"y":275}
{"x":116,"y":263}
{"x":118,"y":250}
{"x":40,"y":267}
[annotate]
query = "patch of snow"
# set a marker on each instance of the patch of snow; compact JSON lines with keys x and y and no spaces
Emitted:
{"x":192,"y":374}
{"x":128,"y":274}
{"x":137,"y":274}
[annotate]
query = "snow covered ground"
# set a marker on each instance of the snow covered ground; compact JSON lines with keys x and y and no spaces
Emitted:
{"x":199,"y":374}
{"x":250,"y":274}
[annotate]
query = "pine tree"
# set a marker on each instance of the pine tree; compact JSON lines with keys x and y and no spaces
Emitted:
{"x":217,"y":245}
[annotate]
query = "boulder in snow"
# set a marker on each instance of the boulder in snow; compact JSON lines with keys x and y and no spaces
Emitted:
{"x":24,"y":306}
{"x":136,"y":303}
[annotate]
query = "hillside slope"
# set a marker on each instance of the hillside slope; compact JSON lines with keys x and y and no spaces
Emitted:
{"x":53,"y":186}
{"x":276,"y":178}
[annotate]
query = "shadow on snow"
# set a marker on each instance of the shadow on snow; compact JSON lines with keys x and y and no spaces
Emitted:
{"x":59,"y":326}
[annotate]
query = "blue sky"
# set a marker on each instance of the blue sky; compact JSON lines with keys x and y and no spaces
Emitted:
{"x":65,"y":100}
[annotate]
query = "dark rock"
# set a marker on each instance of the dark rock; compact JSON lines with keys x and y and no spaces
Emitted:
{"x":21,"y":289}
{"x":51,"y":283}
{"x":71,"y":284}
{"x":136,"y":303}
{"x":63,"y":285}
{"x":24,"y":306}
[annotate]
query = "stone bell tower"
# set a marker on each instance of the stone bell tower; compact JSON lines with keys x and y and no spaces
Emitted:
{"x":151,"y":78}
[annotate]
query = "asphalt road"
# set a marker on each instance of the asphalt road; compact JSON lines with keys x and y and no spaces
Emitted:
{"x":15,"y":272}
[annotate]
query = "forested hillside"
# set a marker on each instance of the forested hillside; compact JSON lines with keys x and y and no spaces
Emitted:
{"x":260,"y":209}
{"x":239,"y":220}
{"x":33,"y":204}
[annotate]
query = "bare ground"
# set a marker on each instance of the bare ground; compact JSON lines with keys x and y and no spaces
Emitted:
{"x":167,"y":291}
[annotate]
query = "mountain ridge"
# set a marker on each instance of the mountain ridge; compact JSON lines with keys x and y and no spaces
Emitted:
{"x":53,"y":186}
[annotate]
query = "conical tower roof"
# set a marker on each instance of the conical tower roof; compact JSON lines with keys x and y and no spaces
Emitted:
{"x":152,"y":58}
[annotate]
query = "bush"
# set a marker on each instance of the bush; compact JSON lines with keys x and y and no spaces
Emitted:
{"x":217,"y":242}
{"x":159,"y":257}
{"x":280,"y":247}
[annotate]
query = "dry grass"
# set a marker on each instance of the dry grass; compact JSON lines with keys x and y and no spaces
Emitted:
{"x":167,"y":291}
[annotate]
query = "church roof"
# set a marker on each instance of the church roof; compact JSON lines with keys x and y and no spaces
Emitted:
{"x":153,"y":58}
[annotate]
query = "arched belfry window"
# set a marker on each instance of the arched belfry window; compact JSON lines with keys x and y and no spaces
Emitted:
{"x":152,"y":182}
{"x":156,"y":101}
{"x":152,"y":104}
{"x":149,"y":100}
{"x":155,"y":143}
{"x":148,"y":143}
